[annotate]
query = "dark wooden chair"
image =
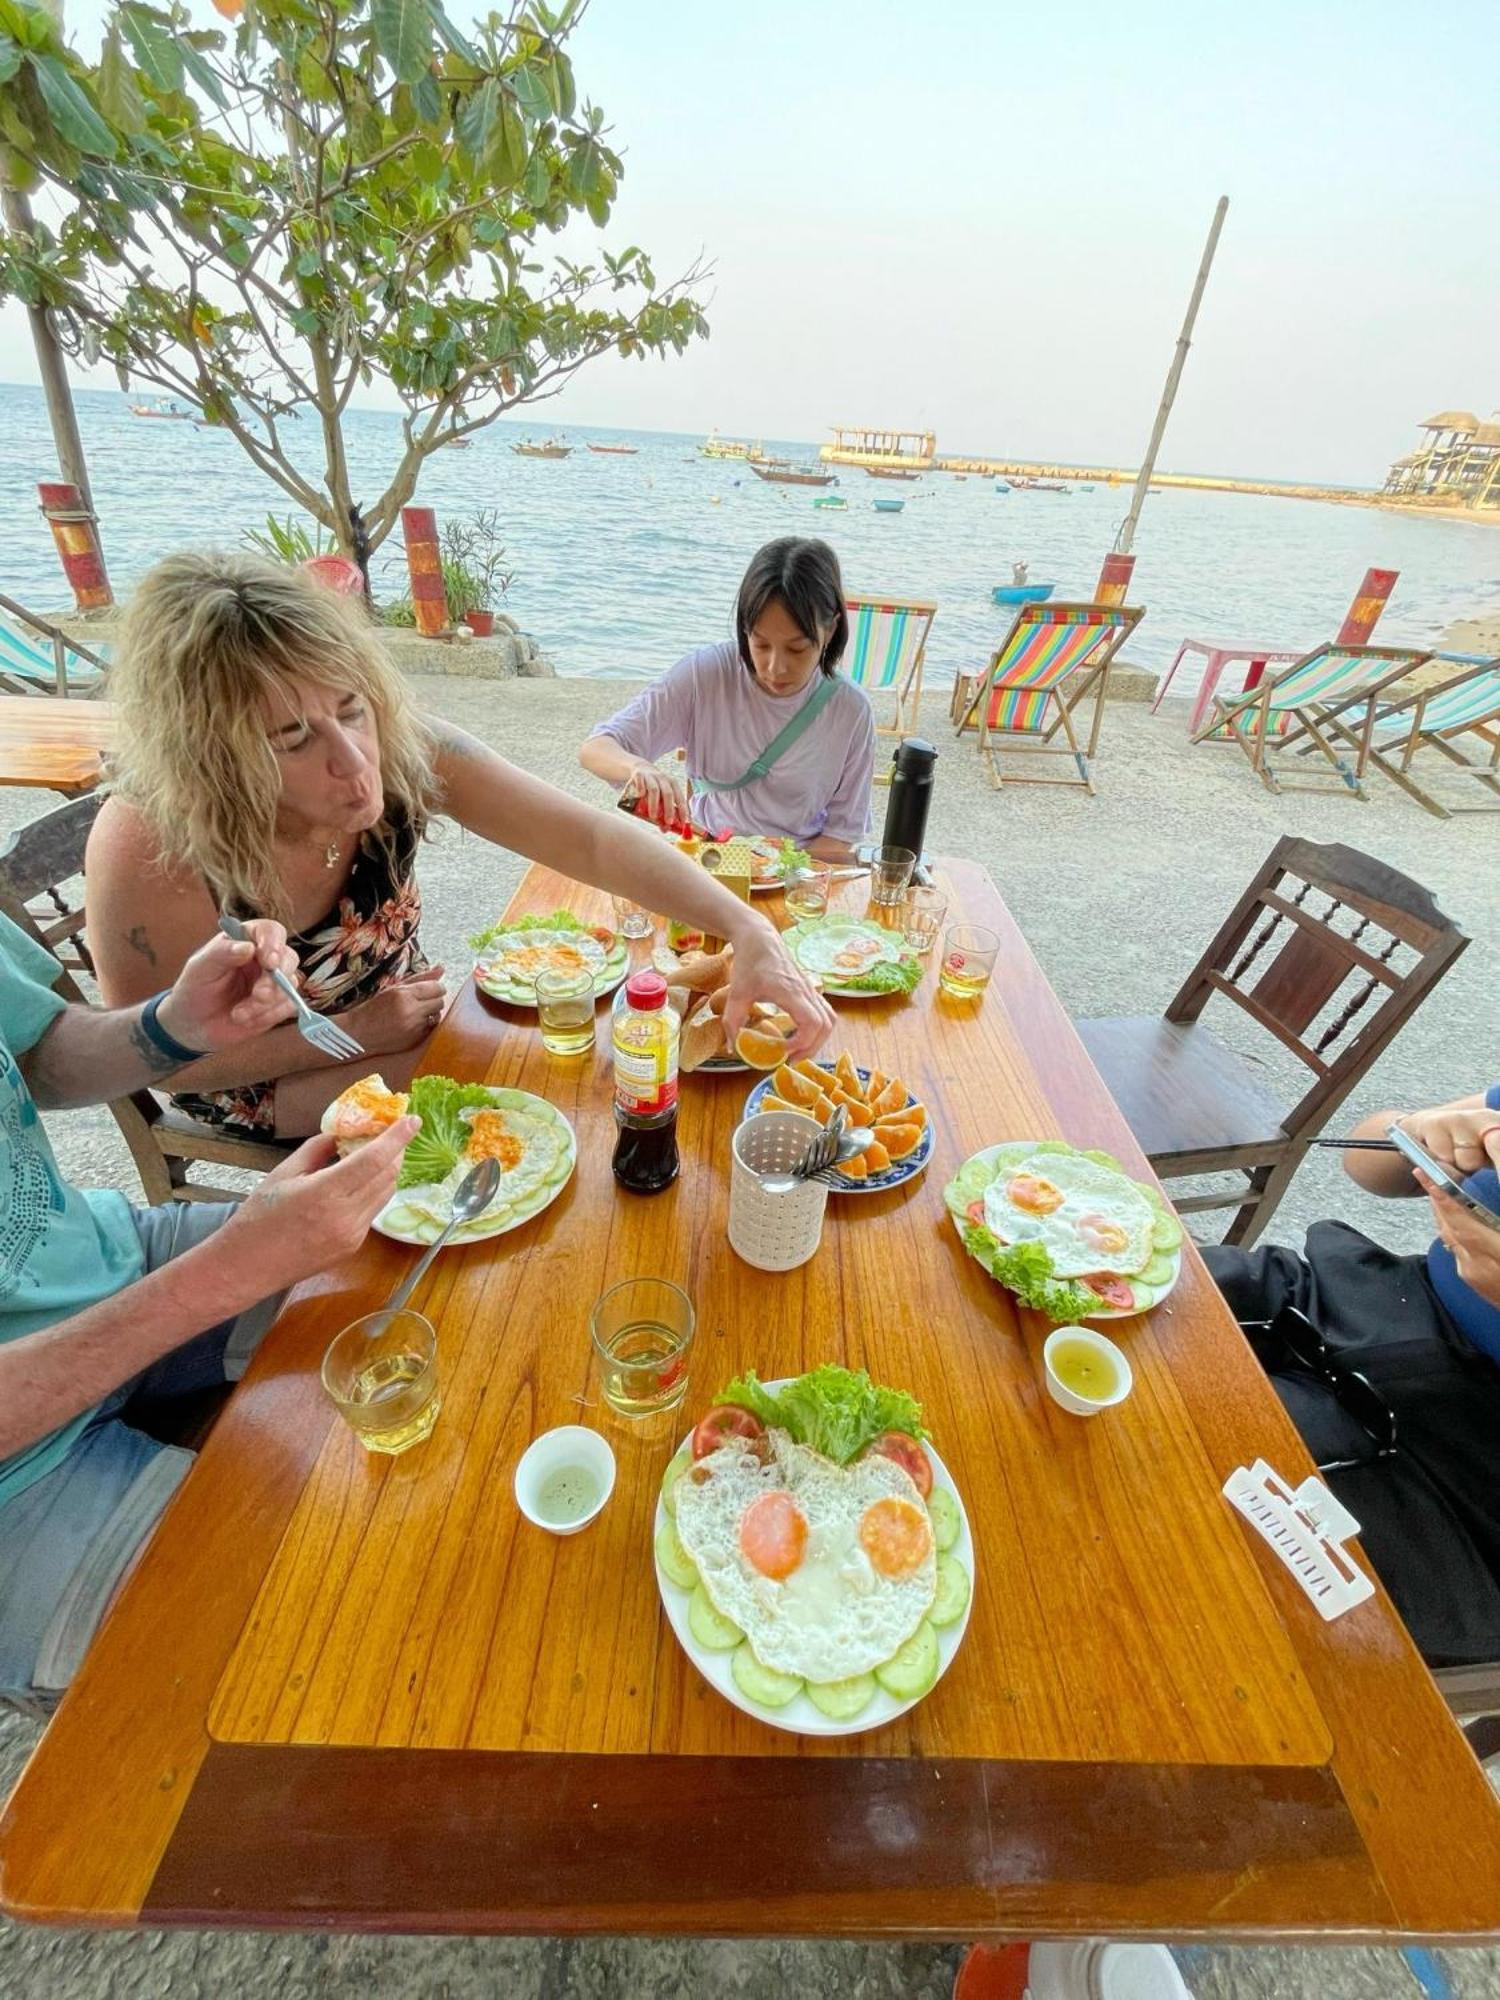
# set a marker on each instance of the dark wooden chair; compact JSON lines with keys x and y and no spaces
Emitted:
{"x":1329,"y":951}
{"x":37,"y":865}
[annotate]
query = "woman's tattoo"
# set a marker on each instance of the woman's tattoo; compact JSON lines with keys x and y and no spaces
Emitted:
{"x":138,"y":941}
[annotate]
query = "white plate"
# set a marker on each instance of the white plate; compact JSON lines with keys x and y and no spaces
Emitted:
{"x":1158,"y":1292}
{"x":895,"y":1175}
{"x":855,"y":926}
{"x":800,"y":1717}
{"x":516,"y":994}
{"x":493,"y":1224}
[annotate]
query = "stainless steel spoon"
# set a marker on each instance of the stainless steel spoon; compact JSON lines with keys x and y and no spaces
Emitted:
{"x":472,"y":1197}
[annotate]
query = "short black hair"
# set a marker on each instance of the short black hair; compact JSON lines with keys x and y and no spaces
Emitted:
{"x":805,"y":576}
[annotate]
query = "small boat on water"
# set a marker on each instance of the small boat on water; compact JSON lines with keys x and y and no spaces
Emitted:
{"x":552,"y":448}
{"x":891,"y":472}
{"x":1037,"y":486}
{"x":159,"y":409}
{"x":835,"y":501}
{"x":713,"y":446}
{"x":615,"y":450}
{"x":889,"y":506}
{"x":457,"y":444}
{"x":779,"y":473}
{"x":1022,"y":593}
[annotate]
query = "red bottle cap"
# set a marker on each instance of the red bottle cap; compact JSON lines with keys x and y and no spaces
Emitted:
{"x":646,"y":990}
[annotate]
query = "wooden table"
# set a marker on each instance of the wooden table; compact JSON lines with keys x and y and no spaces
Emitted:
{"x":52,"y":743}
{"x":342,"y":1690}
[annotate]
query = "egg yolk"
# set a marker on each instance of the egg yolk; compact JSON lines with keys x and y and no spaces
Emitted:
{"x":896,"y":1535}
{"x":773,"y":1535}
{"x":1036,"y":1196}
{"x":490,"y":1138}
{"x":1102,"y":1234}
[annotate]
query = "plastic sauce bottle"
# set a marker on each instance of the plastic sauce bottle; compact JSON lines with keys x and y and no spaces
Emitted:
{"x":646,"y":1034}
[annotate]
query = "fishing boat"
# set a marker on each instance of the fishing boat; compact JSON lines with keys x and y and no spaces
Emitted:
{"x":792,"y":475}
{"x":615,"y":450}
{"x":168,"y":410}
{"x":1037,"y":486}
{"x":890,"y":472}
{"x":713,"y":446}
{"x":1022,"y":593}
{"x":835,"y":501}
{"x":457,"y":444}
{"x":889,"y":506}
{"x":551,"y":449}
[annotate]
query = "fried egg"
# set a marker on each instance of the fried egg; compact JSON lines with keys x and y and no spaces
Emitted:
{"x":362,"y":1112}
{"x":826,"y":1569}
{"x":1088,"y":1217}
{"x":516,"y":957}
{"x":844,"y":949}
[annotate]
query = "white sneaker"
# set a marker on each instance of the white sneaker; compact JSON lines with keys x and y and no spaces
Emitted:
{"x":1096,"y":1969}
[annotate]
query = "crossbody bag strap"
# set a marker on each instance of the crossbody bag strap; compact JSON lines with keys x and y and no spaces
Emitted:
{"x":777,"y":748}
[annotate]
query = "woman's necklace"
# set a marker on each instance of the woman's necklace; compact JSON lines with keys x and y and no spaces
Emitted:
{"x":331,"y":855}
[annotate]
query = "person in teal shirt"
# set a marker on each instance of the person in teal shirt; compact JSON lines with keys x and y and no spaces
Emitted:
{"x":107,"y":1311}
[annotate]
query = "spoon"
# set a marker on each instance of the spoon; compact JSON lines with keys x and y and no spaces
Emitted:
{"x":474,"y":1194}
{"x":829,"y":1146}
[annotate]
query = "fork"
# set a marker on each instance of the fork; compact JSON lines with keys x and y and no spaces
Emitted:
{"x":325,"y":1035}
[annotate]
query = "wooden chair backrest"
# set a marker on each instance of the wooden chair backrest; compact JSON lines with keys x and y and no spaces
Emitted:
{"x":1046,"y":644}
{"x":36,"y":865}
{"x":1330,"y":951}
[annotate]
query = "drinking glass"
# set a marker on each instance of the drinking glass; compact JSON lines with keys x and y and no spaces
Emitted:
{"x":382,"y":1375}
{"x":925,"y":911}
{"x":969,"y":953}
{"x":807,"y":891}
{"x":565,"y":1006}
{"x":890,"y":874}
{"x":643,"y":1333}
{"x":633,"y":918}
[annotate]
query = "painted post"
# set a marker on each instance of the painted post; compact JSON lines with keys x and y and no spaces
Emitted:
{"x":76,"y":533}
{"x":424,"y":563}
{"x":1114,"y":578}
{"x":1369,"y":601}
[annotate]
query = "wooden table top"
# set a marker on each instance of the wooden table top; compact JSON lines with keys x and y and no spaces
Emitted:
{"x":343,"y":1690}
{"x":53,"y":743}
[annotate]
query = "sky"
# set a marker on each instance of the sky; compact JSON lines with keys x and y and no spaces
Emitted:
{"x":985,"y":221}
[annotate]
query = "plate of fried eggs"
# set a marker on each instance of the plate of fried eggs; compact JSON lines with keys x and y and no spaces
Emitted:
{"x":511,"y":957}
{"x":842,"y":952}
{"x":821,"y":1599}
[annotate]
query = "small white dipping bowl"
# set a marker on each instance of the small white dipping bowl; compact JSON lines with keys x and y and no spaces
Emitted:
{"x":1069,"y":1399}
{"x":569,"y":1444}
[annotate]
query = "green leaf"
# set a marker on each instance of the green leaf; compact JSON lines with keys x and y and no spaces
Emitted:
{"x":119,"y":93}
{"x":427,"y":99}
{"x":157,"y":53}
{"x":434,"y":1152}
{"x":10,"y":58}
{"x":200,"y":72}
{"x":76,"y":120}
{"x":506,"y":161}
{"x":532,"y":87}
{"x":459,"y":44}
{"x":586,"y":169}
{"x":304,"y":319}
{"x":477,"y":119}
{"x":833,"y":1410}
{"x":403,"y":35}
{"x":309,"y":264}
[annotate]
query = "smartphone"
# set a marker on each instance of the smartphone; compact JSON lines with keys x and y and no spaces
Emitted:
{"x":1418,"y":1156}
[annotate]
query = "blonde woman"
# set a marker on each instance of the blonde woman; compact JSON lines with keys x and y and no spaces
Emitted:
{"x":270,"y":762}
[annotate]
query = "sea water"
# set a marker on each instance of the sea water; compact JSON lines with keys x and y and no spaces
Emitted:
{"x":623,"y":564}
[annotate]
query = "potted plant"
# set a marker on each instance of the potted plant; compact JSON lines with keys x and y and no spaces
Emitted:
{"x":474,"y":570}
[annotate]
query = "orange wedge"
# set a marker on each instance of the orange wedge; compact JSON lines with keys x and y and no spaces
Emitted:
{"x":909,"y":1114}
{"x":795,"y":1088}
{"x":890,"y":1100}
{"x":875,"y":1157}
{"x":846,"y":1072}
{"x":855,"y":1106}
{"x":877,"y":1083}
{"x":808,"y":1068}
{"x":771,"y":1102}
{"x":855,"y":1169}
{"x":899,"y":1140}
{"x":763,"y":1039}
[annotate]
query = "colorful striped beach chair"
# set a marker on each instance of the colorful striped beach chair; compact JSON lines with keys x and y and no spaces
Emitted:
{"x":38,"y":657}
{"x":887,"y":644}
{"x":1439,"y":719}
{"x":1055,"y":657}
{"x":1326,"y":699}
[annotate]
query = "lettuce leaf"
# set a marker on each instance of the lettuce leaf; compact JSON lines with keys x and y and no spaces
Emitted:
{"x":434,"y":1152}
{"x":902,"y":975}
{"x":791,"y":857}
{"x":1027,"y":1270}
{"x":831,"y":1410}
{"x":560,"y":920}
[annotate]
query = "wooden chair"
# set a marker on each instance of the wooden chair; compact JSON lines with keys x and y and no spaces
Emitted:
{"x":886,"y":652}
{"x":1441,"y":719}
{"x":1054,"y":658}
{"x":36,"y":865}
{"x":36,"y":656}
{"x":1306,"y":710}
{"x":1329,"y":951}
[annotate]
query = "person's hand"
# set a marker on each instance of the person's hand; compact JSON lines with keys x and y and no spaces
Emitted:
{"x":401,"y":1015}
{"x":224,"y":994}
{"x":1461,"y":1140}
{"x":665,"y":798}
{"x":315,"y":1209}
{"x":763,"y":969}
{"x":1475,"y":1245}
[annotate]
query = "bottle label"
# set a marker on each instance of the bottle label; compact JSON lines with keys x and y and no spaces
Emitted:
{"x":640,"y":1088}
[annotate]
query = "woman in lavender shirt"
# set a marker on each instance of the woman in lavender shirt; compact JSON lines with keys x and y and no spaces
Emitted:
{"x":726,"y":706}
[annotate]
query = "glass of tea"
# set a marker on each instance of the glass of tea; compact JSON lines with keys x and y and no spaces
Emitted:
{"x":634,"y":919}
{"x":807,"y":891}
{"x":969,"y":953}
{"x":565,"y":1007}
{"x":643,"y":1334}
{"x":382,"y":1375}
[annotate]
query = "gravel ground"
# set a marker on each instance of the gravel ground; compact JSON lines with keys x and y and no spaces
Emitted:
{"x":1117,"y":896}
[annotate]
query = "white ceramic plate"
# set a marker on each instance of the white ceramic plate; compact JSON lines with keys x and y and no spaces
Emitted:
{"x":519,"y":993}
{"x":1158,"y":1292}
{"x":896,"y":949}
{"x":497,"y":1220}
{"x":895,"y":1175}
{"x":800,"y":1717}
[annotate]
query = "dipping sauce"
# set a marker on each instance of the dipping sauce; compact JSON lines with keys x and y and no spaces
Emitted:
{"x":1085,"y":1369}
{"x":567,"y":1494}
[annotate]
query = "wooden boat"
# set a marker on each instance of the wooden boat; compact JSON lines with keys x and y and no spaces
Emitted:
{"x":889,"y":506}
{"x":1022,"y":593}
{"x":834,"y":500}
{"x":891,"y":472}
{"x":791,"y":475}
{"x":615,"y":450}
{"x":551,"y":449}
{"x":457,"y":444}
{"x":713,"y":446}
{"x":1037,"y":486}
{"x":168,"y":410}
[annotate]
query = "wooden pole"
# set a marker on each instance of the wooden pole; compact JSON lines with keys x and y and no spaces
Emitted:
{"x":1126,"y":535}
{"x":51,"y":366}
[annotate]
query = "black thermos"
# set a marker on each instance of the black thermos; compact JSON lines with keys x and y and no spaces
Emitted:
{"x":911,"y":795}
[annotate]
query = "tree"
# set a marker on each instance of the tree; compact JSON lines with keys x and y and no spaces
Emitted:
{"x":262,"y":221}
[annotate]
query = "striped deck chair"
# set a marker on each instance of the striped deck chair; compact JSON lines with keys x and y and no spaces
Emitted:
{"x":1438,"y":718}
{"x":887,"y":642}
{"x":1326,"y":699}
{"x":1053,"y":658}
{"x":38,"y":657}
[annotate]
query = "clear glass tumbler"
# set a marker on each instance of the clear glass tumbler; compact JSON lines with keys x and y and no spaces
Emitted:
{"x":381,"y":1373}
{"x":565,"y":1007}
{"x":890,"y":874}
{"x":969,"y":953}
{"x":642,"y":1331}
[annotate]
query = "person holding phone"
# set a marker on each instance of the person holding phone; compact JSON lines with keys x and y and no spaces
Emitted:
{"x":1390,"y":1367}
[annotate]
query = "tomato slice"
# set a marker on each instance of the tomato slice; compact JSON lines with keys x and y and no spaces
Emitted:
{"x":723,"y":1422}
{"x":1113,"y":1290}
{"x":908,"y":1454}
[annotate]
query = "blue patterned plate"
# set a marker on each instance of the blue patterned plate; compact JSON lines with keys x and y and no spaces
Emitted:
{"x":895,"y":1175}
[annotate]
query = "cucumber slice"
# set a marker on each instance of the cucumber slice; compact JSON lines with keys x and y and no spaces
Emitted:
{"x":676,"y":1563}
{"x":1101,"y":1159}
{"x":942,"y":1511}
{"x":675,"y":1469}
{"x":952,"y":1592}
{"x":968,"y":1184}
{"x":841,"y":1701}
{"x":763,"y":1684}
{"x":1142,"y":1296}
{"x":1159,"y":1270}
{"x":708,"y":1627}
{"x":1166,"y":1231}
{"x":912,"y":1668}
